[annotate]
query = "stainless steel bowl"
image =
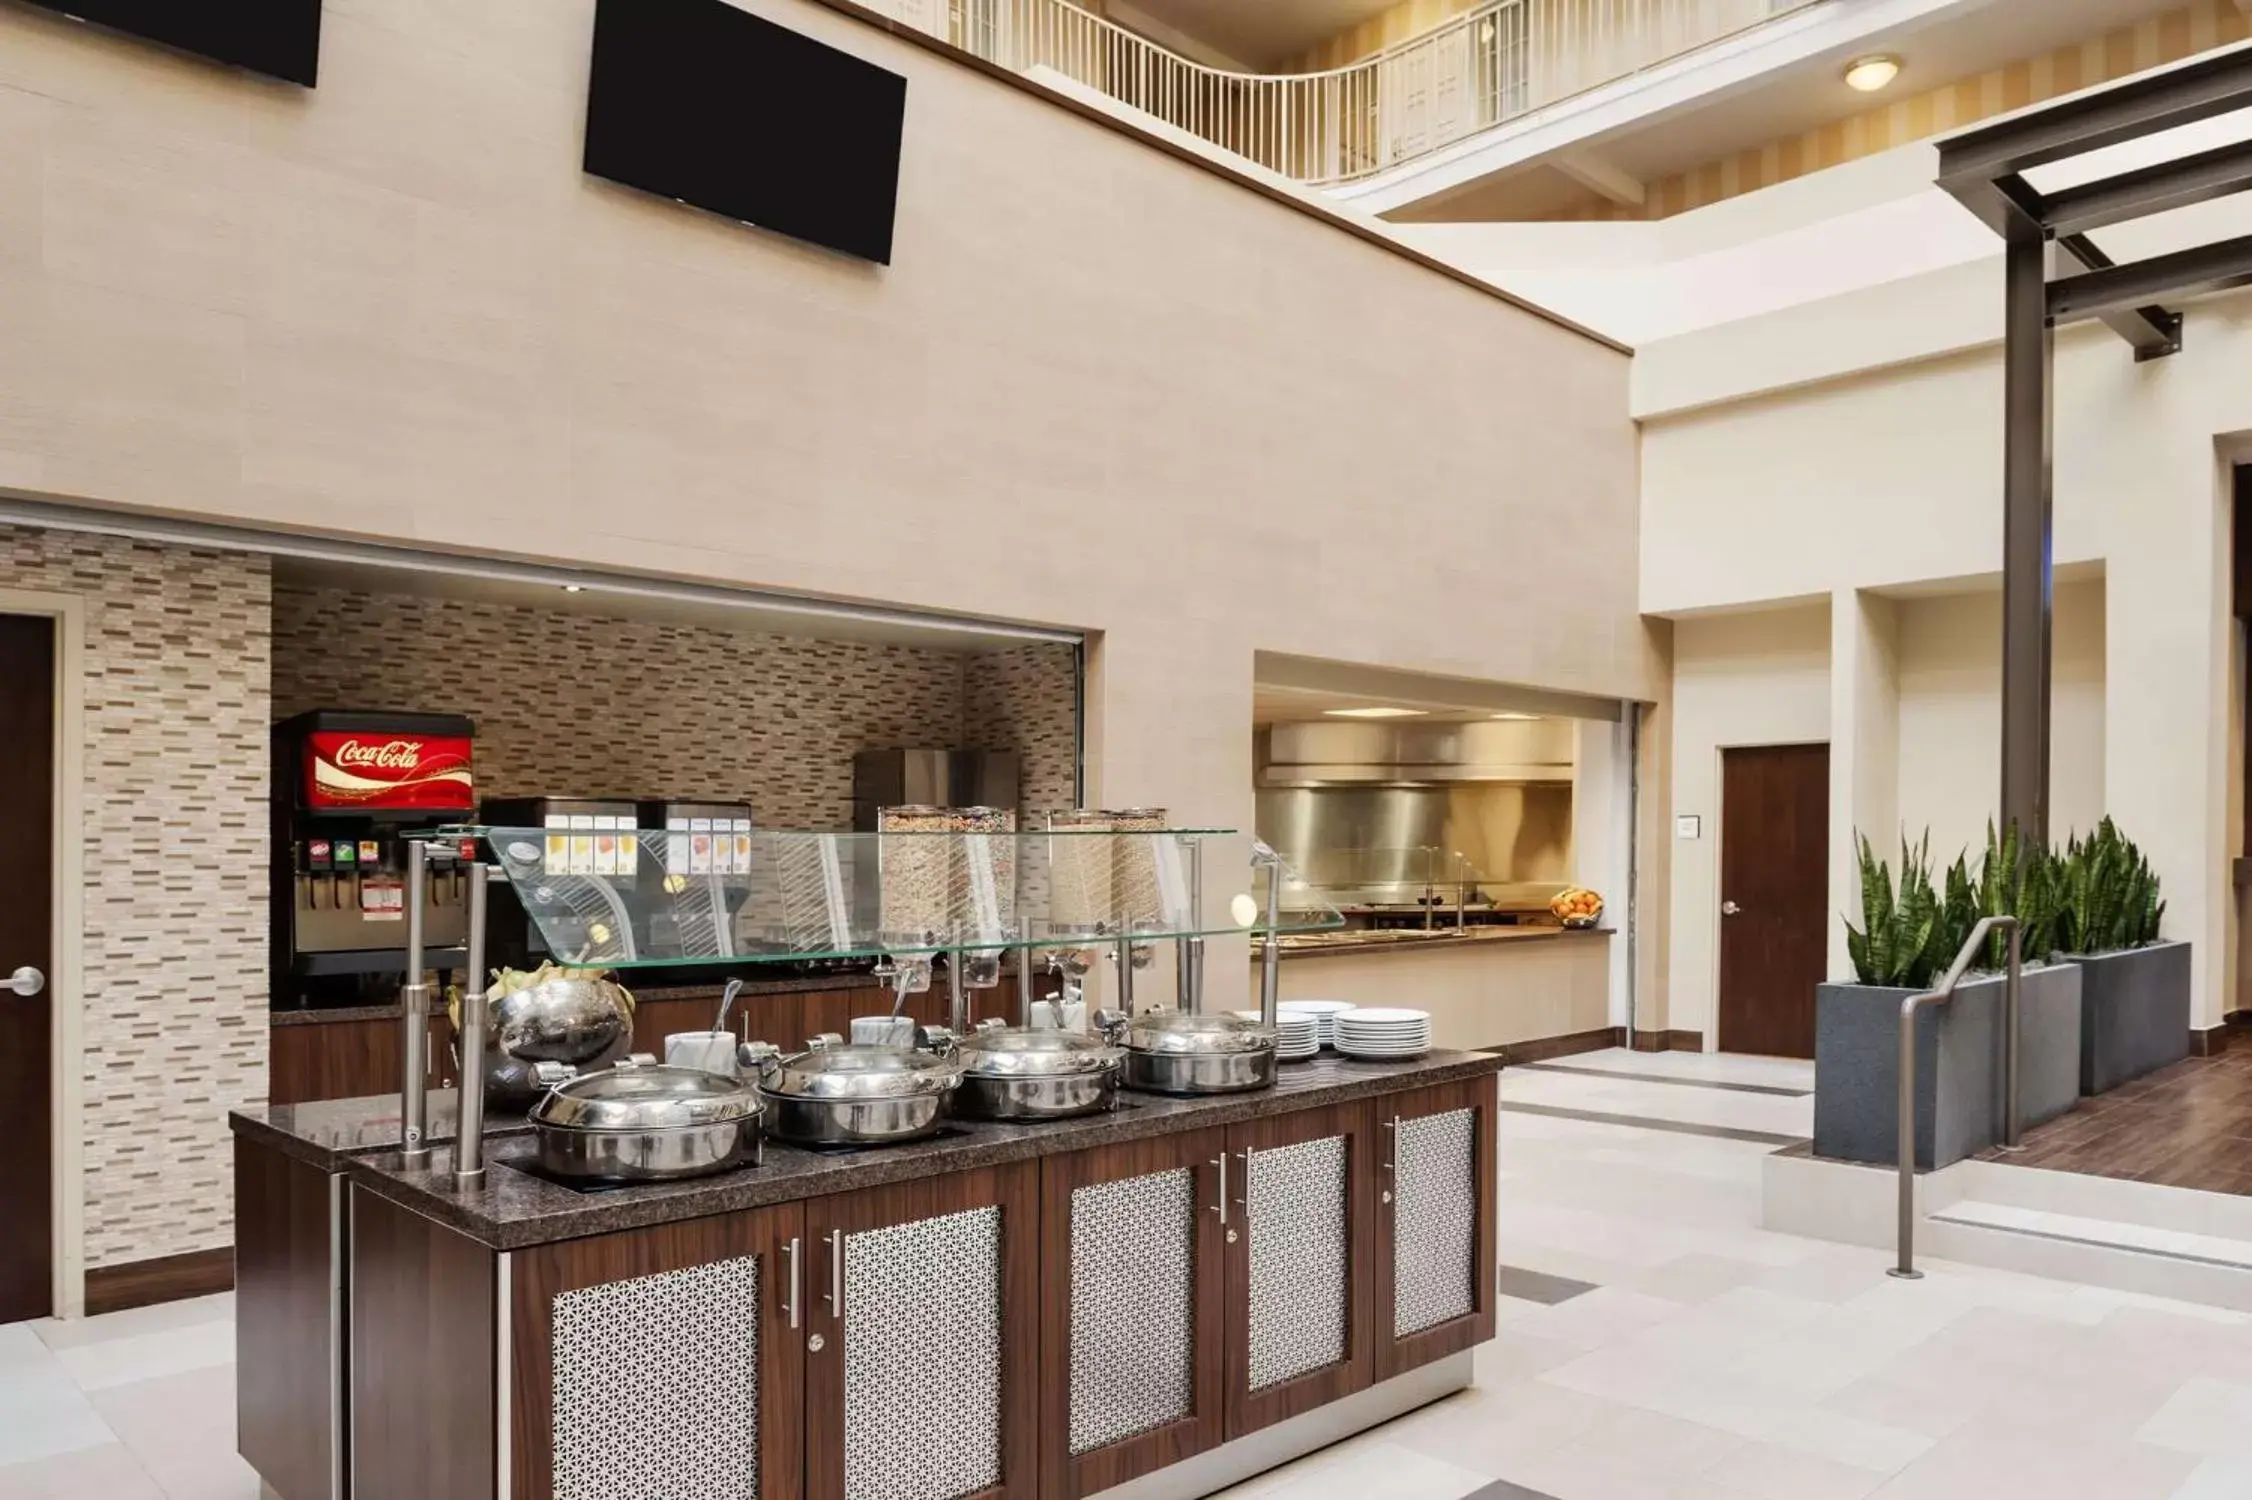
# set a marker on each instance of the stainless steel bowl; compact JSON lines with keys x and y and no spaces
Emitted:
{"x":837,"y":1095}
{"x":1200,"y":1072}
{"x":1015,"y":1074}
{"x":1172,"y":1052}
{"x":580,"y":1021}
{"x":640,"y":1122}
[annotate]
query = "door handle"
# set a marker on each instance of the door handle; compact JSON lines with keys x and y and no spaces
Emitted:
{"x":836,"y":1274}
{"x":1729,"y":908}
{"x":25,"y":981}
{"x":1221,"y":1161}
{"x":791,"y":1250}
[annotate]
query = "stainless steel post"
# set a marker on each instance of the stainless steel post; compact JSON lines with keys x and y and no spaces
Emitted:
{"x":1125,"y":956}
{"x":1270,"y":957}
{"x":1025,"y":996}
{"x":469,"y":1138}
{"x":1906,"y":1107}
{"x":2011,"y":1017}
{"x":957,"y":994}
{"x":414,"y":1006}
{"x":1192,"y":998}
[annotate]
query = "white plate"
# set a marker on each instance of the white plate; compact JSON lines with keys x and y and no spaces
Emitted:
{"x":1381,"y":1013}
{"x":1319,"y":1007}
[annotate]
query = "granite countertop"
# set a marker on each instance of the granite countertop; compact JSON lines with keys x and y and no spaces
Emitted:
{"x":514,"y":1209}
{"x":1418,"y":943}
{"x":327,"y":1132}
{"x":782,"y":985}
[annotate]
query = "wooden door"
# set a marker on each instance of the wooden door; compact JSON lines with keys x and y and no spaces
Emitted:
{"x":923,"y":1350}
{"x":27,"y":840}
{"x":1775,"y":896}
{"x":1435,"y":1268}
{"x":1132,"y":1331}
{"x":1301,"y":1271}
{"x":667,"y":1360}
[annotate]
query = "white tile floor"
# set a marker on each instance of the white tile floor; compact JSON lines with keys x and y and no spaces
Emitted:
{"x":1714,"y":1360}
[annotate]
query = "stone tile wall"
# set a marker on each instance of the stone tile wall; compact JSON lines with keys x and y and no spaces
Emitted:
{"x":173,"y":965}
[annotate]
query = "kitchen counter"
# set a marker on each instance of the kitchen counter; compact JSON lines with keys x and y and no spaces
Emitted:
{"x":1535,"y":991}
{"x":1412,"y":941}
{"x":969,"y":1306}
{"x":516,"y":1208}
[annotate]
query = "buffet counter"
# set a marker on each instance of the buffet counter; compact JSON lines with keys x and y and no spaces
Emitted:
{"x":1544,"y":990}
{"x":1002,"y":1310}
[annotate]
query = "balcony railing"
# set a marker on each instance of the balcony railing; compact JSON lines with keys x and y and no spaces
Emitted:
{"x":1488,"y":65}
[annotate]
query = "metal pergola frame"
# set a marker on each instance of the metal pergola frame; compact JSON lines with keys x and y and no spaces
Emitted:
{"x":2056,"y":275}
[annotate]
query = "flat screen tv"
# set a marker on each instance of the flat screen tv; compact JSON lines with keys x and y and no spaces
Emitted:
{"x":280,"y":38}
{"x":713,"y":106}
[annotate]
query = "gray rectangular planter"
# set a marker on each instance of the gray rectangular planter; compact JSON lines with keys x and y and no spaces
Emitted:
{"x":1959,"y":1065}
{"x":2134,"y":1013}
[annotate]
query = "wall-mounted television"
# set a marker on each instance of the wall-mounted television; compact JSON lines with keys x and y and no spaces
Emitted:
{"x":280,"y":38}
{"x":699,"y":101}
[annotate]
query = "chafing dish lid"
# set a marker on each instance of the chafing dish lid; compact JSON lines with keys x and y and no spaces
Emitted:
{"x":1176,"y":1032}
{"x":1017,"y":1053}
{"x":860,"y":1072}
{"x":646,"y":1097}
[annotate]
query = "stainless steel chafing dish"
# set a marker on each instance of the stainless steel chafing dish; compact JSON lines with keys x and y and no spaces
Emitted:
{"x":644,"y":1122}
{"x":833,"y":1094}
{"x":1171,"y":1052}
{"x":1011,"y":1073}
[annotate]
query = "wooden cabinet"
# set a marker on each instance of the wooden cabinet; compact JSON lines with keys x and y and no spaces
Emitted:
{"x":348,"y":1059}
{"x":661,"y":1363}
{"x":923,"y":1345}
{"x":1133,"y":1285}
{"x":1300,"y":1270}
{"x":1434,"y":1254}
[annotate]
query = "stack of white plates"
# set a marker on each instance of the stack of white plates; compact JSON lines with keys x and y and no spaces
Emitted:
{"x":1324,"y":1012}
{"x":1372,"y":1031}
{"x":1296,"y":1037}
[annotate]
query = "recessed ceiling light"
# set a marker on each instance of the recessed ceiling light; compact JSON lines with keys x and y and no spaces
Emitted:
{"x":1868,"y":74}
{"x":1374,"y":713}
{"x":574,"y":588}
{"x":1516,"y":716}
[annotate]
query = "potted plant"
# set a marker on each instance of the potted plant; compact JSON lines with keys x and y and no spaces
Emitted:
{"x":2135,"y":989}
{"x":1909,"y":934}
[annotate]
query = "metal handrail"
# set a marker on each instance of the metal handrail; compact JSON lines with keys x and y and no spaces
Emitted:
{"x":1495,"y":62}
{"x":1943,"y":992}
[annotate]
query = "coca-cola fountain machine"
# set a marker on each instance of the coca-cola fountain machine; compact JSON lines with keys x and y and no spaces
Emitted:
{"x":348,"y":789}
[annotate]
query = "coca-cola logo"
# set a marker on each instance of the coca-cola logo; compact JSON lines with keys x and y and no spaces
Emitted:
{"x":391,"y":755}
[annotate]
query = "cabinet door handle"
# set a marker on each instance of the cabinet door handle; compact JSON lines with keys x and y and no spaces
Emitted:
{"x":836,"y":1274}
{"x":1243,"y":1191}
{"x":1392,"y":1145}
{"x":1221,"y":1207}
{"x":791,"y":1250}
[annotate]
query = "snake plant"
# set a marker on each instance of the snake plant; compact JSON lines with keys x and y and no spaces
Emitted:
{"x":2108,"y":894}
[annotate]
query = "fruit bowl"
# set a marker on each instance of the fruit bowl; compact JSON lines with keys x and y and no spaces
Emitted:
{"x":1576,"y":907}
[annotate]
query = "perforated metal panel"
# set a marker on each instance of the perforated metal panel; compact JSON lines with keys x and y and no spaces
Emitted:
{"x":1435,"y":1221}
{"x":656,"y":1386}
{"x":1300,"y":1278}
{"x":1133,"y":1306}
{"x":923,"y":1358}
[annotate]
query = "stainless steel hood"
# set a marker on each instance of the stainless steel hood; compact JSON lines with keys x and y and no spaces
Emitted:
{"x":1360,"y":754}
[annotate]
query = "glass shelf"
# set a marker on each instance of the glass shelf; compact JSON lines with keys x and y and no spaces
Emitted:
{"x":649,"y":897}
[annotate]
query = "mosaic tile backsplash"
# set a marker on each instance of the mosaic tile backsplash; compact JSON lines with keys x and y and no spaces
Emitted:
{"x":173,"y":964}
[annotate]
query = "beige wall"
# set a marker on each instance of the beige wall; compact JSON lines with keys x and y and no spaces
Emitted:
{"x":1758,"y":678}
{"x":1951,"y":715}
{"x":1099,"y":387}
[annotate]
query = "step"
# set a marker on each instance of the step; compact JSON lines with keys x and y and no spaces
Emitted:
{"x":2222,"y":1215}
{"x":2126,"y":1255}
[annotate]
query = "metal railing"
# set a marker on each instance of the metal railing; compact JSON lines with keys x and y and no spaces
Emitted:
{"x":1940,"y":994}
{"x":1490,"y":64}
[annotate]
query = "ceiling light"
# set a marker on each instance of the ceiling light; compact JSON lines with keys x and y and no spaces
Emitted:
{"x":574,"y":588}
{"x":1374,"y":713}
{"x":1868,"y":74}
{"x":1516,"y":716}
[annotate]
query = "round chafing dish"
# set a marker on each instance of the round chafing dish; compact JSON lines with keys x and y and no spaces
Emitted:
{"x":644,"y":1122}
{"x":1172,"y":1052}
{"x":832,"y":1094}
{"x":575,"y":1019}
{"x":1009,"y":1073}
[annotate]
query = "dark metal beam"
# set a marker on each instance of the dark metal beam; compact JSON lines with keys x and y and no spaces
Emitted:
{"x":2028,"y":365}
{"x":2152,"y":332}
{"x":2199,"y":90}
{"x":2184,"y":273}
{"x":2152,"y":190}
